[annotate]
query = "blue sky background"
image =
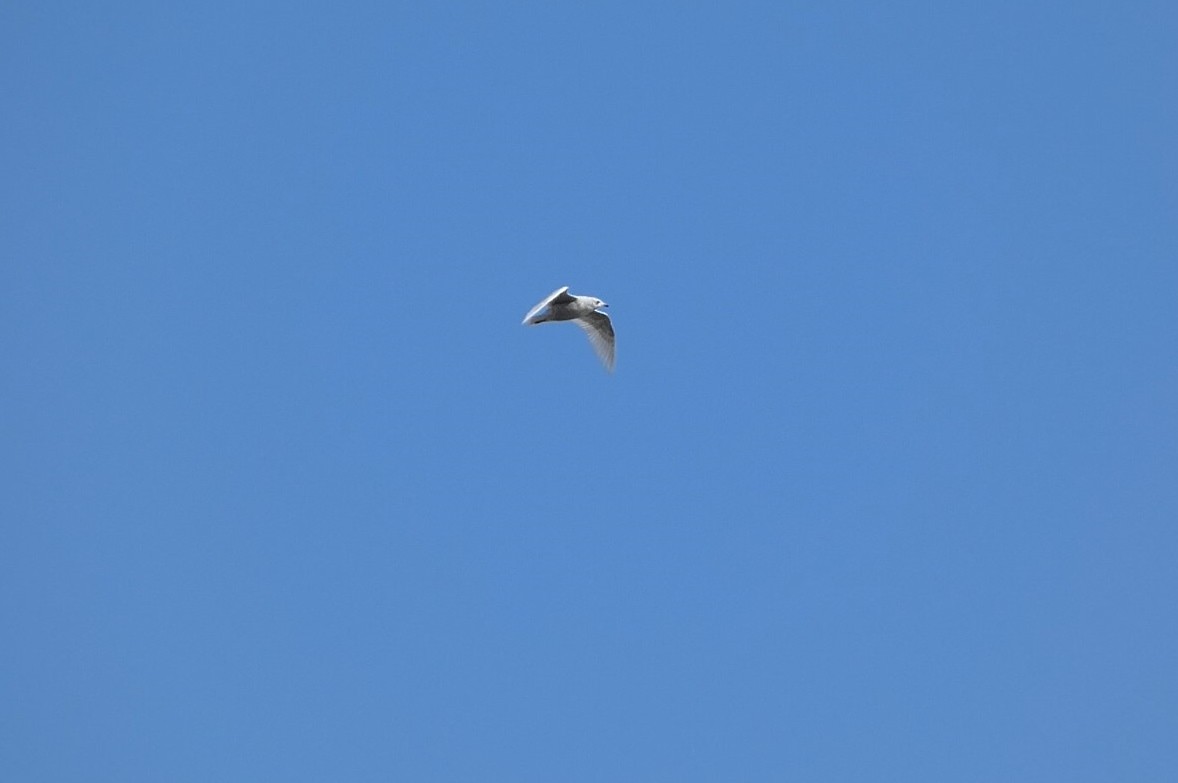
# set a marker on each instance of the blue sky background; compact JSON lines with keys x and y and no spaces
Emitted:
{"x":884,"y":487}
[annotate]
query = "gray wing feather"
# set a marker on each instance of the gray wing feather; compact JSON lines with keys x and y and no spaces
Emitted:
{"x":601,"y":335}
{"x":559,"y":296}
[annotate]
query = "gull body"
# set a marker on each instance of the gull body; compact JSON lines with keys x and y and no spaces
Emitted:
{"x":584,"y":311}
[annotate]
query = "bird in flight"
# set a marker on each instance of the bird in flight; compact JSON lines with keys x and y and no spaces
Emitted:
{"x":560,"y":305}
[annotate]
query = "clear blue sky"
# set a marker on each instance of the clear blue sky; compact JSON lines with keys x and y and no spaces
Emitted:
{"x":885,"y":486}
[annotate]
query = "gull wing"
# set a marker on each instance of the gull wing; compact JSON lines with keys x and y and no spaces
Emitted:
{"x":601,"y":336}
{"x":559,"y":296}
